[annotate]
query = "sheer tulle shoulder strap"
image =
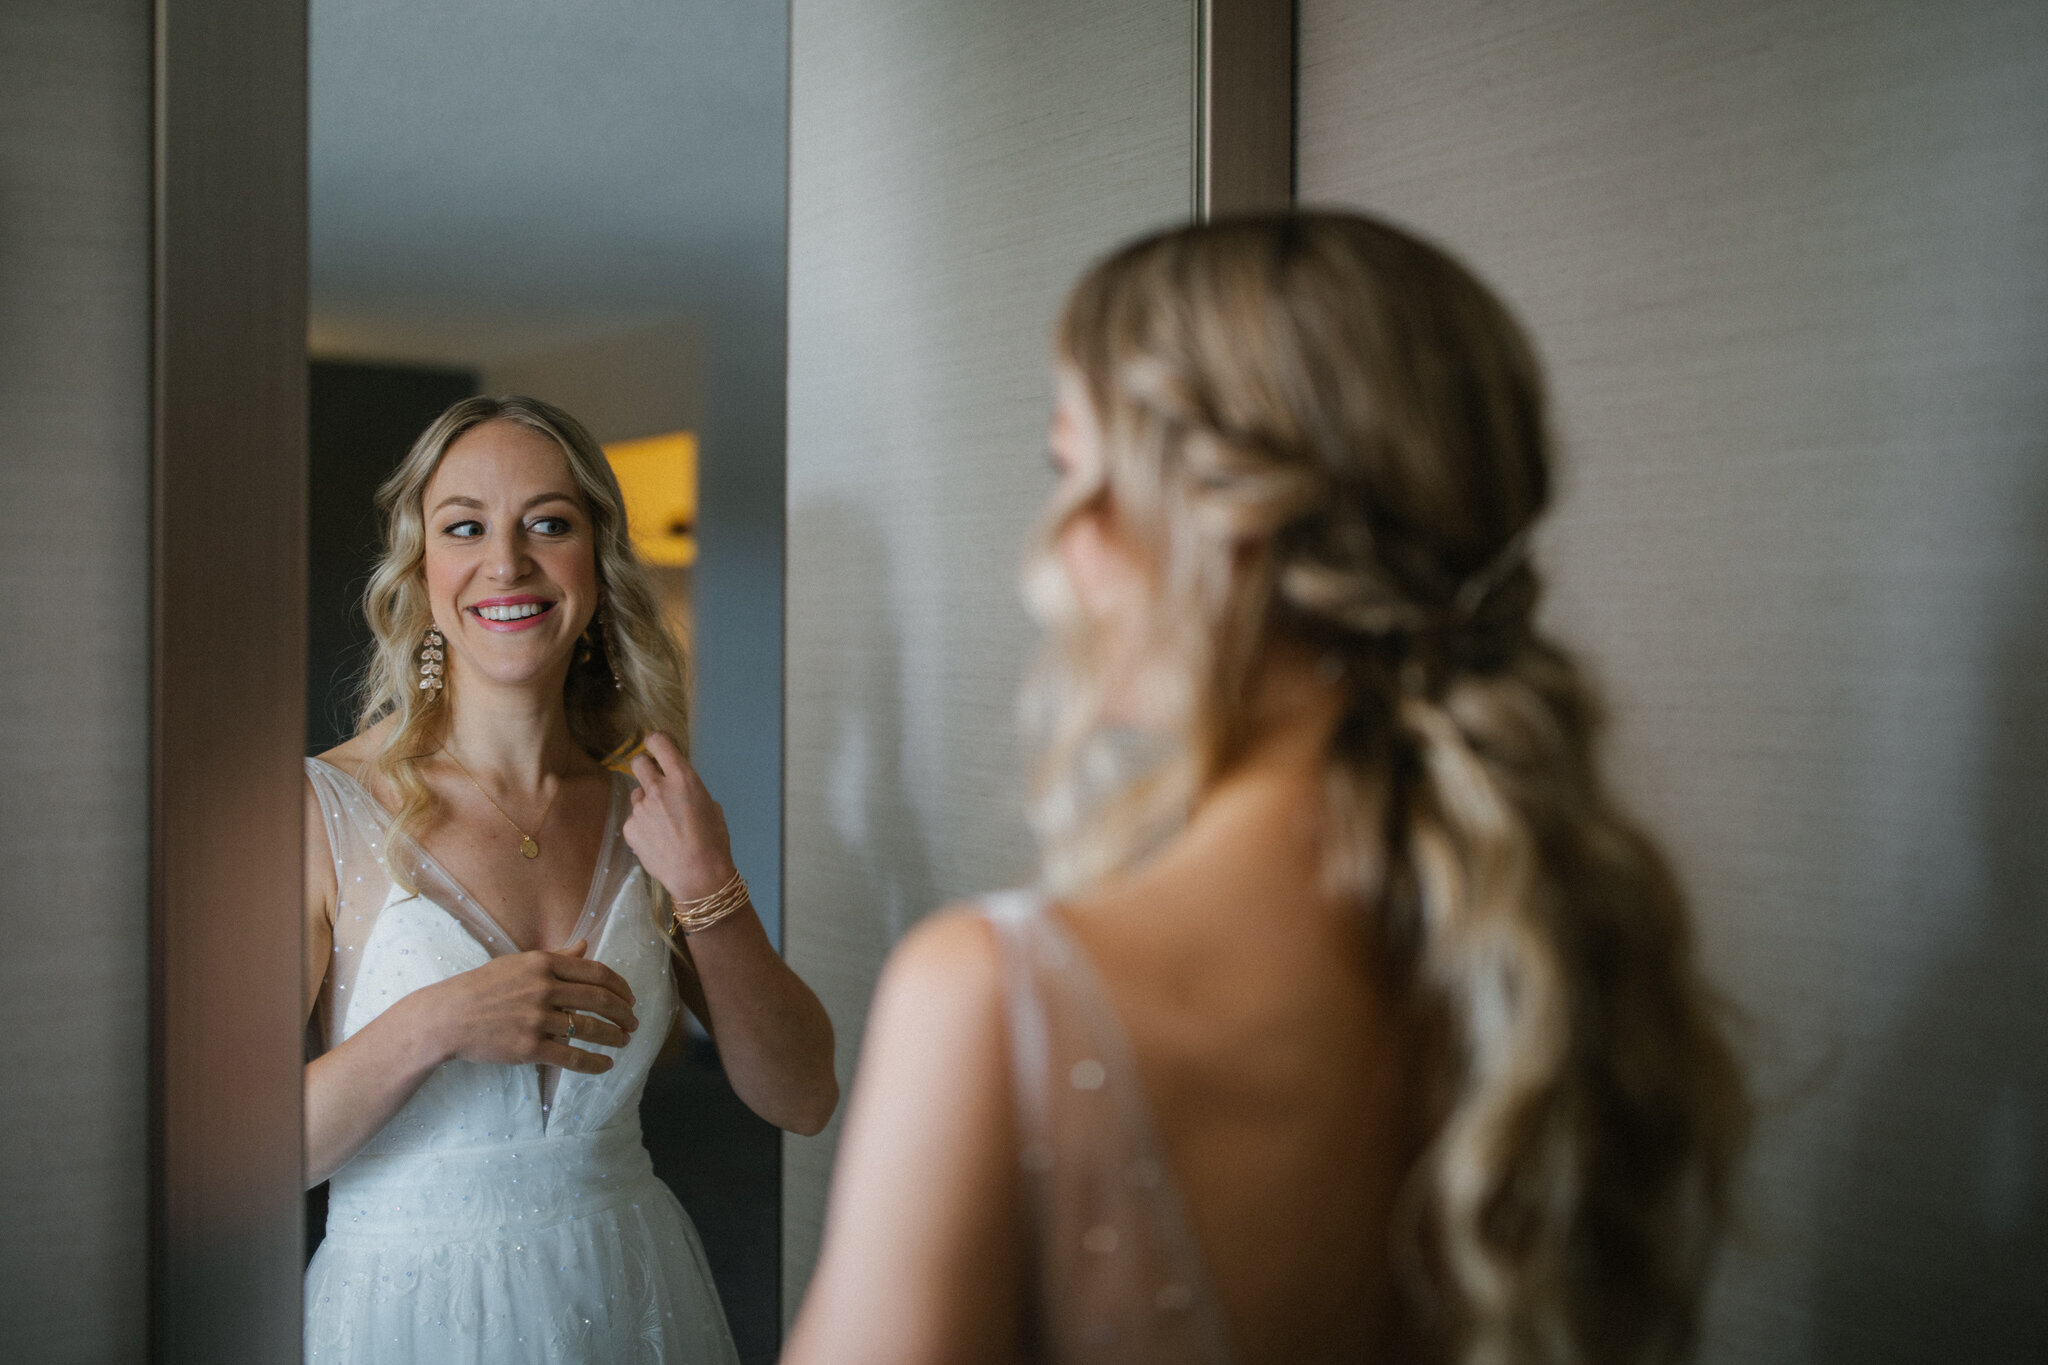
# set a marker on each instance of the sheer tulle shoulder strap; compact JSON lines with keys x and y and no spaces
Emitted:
{"x":356,"y":827}
{"x":1012,"y":913}
{"x":1118,"y":1273}
{"x":353,"y":821}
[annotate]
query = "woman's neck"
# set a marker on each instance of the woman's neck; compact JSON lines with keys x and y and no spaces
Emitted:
{"x":1293,"y":712}
{"x":1256,"y":834}
{"x":520,"y":736}
{"x":1294,"y":709}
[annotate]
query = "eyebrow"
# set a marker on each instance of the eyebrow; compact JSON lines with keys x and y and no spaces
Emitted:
{"x":458,"y":500}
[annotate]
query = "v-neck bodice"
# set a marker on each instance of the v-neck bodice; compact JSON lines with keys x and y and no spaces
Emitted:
{"x":362,"y":815}
{"x":506,"y":1215}
{"x":390,"y":941}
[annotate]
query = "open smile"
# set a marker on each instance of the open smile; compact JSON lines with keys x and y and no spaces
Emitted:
{"x":510,"y":613}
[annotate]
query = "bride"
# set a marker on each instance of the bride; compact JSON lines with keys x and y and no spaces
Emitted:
{"x":1358,"y":1020}
{"x":490,"y":920}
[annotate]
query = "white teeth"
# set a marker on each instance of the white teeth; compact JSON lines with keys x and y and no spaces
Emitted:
{"x":514,"y":613}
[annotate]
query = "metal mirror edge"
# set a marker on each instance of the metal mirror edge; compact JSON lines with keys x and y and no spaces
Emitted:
{"x":1244,"y":119}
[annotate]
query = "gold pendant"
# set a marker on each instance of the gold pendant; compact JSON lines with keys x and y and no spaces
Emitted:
{"x":527,"y":847}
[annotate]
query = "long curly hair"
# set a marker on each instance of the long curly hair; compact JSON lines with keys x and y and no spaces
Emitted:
{"x":607,"y":712}
{"x":1325,"y":433}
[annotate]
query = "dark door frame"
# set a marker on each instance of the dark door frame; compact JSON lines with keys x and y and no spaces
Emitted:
{"x":227,"y":692}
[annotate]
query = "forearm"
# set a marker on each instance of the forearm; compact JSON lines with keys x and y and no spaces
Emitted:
{"x":352,"y":1091}
{"x":774,"y":1037}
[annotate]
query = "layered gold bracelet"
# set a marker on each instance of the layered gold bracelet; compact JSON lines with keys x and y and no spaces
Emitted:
{"x":705,"y":911}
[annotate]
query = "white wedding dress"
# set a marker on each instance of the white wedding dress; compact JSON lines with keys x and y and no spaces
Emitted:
{"x":506,"y":1214}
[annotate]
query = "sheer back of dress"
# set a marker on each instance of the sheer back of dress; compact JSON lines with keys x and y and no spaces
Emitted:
{"x":1118,"y":1275}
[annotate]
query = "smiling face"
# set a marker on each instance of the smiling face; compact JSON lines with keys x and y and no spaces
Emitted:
{"x":510,"y":560}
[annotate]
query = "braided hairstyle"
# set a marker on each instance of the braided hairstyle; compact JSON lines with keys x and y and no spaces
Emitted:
{"x":1325,"y":433}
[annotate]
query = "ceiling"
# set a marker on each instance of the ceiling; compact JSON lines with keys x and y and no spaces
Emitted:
{"x":494,"y":177}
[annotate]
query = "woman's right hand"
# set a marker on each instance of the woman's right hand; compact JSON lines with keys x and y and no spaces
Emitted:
{"x":520,"y":1010}
{"x":512,"y":1010}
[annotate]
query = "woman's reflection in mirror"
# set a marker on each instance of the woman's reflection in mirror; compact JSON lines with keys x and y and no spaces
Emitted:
{"x":501,"y":931}
{"x":1365,"y":1025}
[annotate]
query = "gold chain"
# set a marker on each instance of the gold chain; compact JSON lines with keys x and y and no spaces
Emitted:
{"x":529,"y":847}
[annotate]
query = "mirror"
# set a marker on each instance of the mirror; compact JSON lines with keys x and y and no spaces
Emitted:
{"x":583,"y":203}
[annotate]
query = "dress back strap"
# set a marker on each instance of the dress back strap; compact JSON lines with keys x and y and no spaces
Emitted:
{"x":1119,"y":1276}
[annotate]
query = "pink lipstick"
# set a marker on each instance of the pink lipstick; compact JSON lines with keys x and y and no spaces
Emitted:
{"x":520,"y":612}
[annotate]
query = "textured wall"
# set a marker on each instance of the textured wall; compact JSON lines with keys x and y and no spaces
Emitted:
{"x":952,"y":168}
{"x":1787,"y":267}
{"x":74,"y":677}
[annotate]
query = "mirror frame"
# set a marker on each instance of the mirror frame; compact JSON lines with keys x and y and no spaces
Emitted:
{"x":227,"y":626}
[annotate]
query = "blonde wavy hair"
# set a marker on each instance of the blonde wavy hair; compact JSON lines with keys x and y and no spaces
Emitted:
{"x":627,"y":633}
{"x":1326,"y":435}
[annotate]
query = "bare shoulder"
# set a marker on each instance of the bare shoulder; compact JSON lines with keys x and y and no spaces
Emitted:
{"x":951,"y":954}
{"x":934,"y":1058}
{"x":939,"y":998}
{"x":920,"y":1259}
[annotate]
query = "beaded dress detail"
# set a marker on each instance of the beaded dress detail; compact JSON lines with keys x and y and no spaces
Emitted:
{"x":506,"y":1214}
{"x":1117,"y":1274}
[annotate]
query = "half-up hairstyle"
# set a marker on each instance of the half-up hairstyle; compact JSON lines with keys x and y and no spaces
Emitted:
{"x":650,"y":690}
{"x":1326,"y":435}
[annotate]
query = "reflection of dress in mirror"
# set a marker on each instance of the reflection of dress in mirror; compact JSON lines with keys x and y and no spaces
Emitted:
{"x":476,"y":1098}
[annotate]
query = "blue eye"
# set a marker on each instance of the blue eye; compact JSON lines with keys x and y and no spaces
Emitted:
{"x":464,"y":530}
{"x":551,"y":526}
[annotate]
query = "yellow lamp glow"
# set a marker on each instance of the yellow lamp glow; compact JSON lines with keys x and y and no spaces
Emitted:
{"x":658,"y":475}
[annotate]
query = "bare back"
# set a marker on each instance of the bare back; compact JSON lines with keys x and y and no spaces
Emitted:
{"x":1274,"y":1066}
{"x":1231,"y":1020}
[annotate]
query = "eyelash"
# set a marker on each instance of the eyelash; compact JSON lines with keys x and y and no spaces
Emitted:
{"x":454,"y":528}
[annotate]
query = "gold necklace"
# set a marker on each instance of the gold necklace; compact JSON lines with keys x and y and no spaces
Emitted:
{"x":528,"y":846}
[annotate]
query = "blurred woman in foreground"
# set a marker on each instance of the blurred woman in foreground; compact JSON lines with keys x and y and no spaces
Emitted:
{"x":1358,"y":1023}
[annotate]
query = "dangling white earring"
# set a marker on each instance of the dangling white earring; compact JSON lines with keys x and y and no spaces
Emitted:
{"x":430,"y":661}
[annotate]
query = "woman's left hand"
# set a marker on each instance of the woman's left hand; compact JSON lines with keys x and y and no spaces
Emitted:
{"x":773,"y":1036}
{"x":676,"y":828}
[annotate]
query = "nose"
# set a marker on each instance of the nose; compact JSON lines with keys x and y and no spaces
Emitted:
{"x":507,"y":560}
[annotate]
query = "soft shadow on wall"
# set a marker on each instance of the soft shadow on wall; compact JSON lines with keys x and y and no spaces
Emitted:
{"x":860,"y":827}
{"x":1935,"y":1228}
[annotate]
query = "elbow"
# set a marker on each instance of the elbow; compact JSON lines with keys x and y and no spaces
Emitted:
{"x":798,"y":1091}
{"x":821,"y":1091}
{"x":816,"y":1111}
{"x":796,"y":1104}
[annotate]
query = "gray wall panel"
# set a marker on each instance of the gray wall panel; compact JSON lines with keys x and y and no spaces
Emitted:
{"x":953,"y":167}
{"x":74,"y":676}
{"x":1786,"y":264}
